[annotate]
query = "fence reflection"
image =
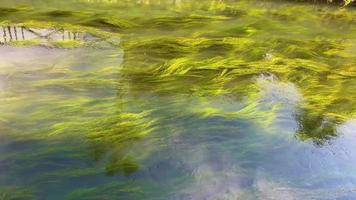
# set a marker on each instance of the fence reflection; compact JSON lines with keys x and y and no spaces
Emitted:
{"x":10,"y":34}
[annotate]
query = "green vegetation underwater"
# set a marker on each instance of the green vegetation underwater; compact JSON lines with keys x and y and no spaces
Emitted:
{"x":177,"y":100}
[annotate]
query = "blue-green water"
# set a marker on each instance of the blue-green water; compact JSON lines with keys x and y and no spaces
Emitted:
{"x":180,"y":100}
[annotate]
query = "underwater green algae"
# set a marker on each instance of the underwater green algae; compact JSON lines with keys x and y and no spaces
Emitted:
{"x":176,"y":100}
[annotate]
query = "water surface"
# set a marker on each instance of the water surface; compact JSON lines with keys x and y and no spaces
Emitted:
{"x":177,"y":100}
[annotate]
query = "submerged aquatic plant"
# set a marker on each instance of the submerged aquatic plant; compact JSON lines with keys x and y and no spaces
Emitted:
{"x":199,"y":81}
{"x":9,"y":193}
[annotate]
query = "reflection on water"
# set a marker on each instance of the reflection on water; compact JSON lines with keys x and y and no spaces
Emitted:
{"x":47,"y":37}
{"x":209,"y":100}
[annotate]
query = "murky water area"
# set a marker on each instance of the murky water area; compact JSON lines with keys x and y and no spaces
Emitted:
{"x":180,"y":100}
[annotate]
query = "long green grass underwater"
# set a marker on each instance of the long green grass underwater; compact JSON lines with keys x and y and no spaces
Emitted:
{"x":177,"y":100}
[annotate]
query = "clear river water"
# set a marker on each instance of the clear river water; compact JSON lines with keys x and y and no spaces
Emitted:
{"x":177,"y":100}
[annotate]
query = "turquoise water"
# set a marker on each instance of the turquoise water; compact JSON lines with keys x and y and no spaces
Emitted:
{"x":178,"y":100}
